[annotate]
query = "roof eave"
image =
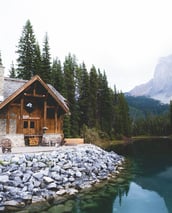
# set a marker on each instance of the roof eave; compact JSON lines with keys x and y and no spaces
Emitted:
{"x":28,"y":83}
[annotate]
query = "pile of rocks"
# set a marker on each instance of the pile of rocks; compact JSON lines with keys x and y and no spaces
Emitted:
{"x":29,"y":178}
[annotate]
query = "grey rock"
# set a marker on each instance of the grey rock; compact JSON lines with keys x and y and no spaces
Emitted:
{"x":26,"y":177}
{"x":56,"y":176}
{"x":61,"y":192}
{"x":38,"y":175}
{"x":41,"y":165}
{"x":65,"y":180}
{"x":78,"y":174}
{"x":66,"y":170}
{"x":36,"y":183}
{"x":52,"y":186}
{"x":71,"y":179}
{"x":4,"y":178}
{"x":30,"y":187}
{"x":14,"y":203}
{"x":48,"y":179}
{"x":56,"y":168}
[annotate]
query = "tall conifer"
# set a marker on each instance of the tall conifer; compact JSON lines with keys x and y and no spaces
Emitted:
{"x":83,"y":100}
{"x":70,"y":66}
{"x":105,"y":104}
{"x":37,"y":61}
{"x":46,"y":61}
{"x":26,"y":52}
{"x":57,"y":78}
{"x":12,"y":71}
{"x":93,"y":93}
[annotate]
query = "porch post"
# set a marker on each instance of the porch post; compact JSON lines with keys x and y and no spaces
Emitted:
{"x":55,"y":118}
{"x":45,"y":112}
{"x":7,"y":122}
{"x":21,"y":114}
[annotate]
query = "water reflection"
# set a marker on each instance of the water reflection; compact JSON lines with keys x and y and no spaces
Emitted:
{"x":139,"y":200}
{"x":145,"y":185}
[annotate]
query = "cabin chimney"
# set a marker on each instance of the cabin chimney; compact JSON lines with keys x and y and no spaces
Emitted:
{"x":1,"y":81}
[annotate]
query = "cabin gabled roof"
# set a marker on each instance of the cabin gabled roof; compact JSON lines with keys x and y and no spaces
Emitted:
{"x":13,"y":87}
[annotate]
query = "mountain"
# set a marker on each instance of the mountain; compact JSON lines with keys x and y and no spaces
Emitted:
{"x":141,"y":106}
{"x":160,"y":86}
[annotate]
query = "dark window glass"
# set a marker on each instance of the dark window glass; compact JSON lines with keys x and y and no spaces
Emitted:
{"x":32,"y":125}
{"x":25,"y":124}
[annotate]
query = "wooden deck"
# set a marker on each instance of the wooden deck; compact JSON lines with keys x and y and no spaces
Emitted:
{"x":73,"y":141}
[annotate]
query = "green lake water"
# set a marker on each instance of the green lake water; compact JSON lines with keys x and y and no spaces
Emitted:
{"x":143,"y":186}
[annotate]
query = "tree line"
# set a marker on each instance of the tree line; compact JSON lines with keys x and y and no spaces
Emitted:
{"x":149,"y":116}
{"x":93,"y":104}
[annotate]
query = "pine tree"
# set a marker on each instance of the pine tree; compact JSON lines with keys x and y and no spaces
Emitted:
{"x":37,"y":61}
{"x":26,"y":52}
{"x":122,"y":124}
{"x":12,"y":71}
{"x":92,"y":104}
{"x":83,"y":99}
{"x":105,"y":105}
{"x":57,"y":78}
{"x":69,"y":67}
{"x":46,"y":64}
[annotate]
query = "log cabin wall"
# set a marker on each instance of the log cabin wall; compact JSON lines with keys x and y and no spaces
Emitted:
{"x":30,"y":107}
{"x":16,"y":119}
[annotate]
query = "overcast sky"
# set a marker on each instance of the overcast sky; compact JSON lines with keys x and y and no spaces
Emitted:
{"x":123,"y":37}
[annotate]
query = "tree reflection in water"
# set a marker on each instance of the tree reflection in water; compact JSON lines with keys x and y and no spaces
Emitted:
{"x":144,"y":185}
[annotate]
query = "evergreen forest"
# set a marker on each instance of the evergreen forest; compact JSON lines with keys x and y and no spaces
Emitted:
{"x":95,"y":108}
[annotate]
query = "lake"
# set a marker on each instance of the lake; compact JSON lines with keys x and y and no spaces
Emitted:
{"x":144,"y":185}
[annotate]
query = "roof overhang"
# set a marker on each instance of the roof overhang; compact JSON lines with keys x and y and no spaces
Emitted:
{"x":58,"y":98}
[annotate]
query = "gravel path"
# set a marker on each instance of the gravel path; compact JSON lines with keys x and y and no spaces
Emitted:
{"x":30,"y":149}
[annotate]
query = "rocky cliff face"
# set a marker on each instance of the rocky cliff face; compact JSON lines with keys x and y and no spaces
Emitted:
{"x":160,"y":86}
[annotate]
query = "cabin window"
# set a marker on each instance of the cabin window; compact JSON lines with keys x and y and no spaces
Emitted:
{"x":25,"y":124}
{"x":32,"y":125}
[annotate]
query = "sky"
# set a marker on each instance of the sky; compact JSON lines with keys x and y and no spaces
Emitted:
{"x":124,"y":38}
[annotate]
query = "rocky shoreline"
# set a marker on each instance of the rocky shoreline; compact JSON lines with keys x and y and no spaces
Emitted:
{"x":31,"y":178}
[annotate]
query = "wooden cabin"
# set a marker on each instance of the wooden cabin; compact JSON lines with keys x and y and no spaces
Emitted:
{"x":31,"y":112}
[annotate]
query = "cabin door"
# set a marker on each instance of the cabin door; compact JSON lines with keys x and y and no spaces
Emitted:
{"x":31,"y":127}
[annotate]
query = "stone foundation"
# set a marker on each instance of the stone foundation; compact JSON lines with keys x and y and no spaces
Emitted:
{"x":2,"y":126}
{"x":51,"y":139}
{"x":47,"y":139}
{"x":16,"y":139}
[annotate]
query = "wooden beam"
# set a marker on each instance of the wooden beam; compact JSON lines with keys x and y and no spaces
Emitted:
{"x":15,"y":104}
{"x":34,"y":89}
{"x":21,"y":114}
{"x":55,"y":118}
{"x":51,"y":107}
{"x":8,"y":122}
{"x":45,"y":112}
{"x":34,"y":95}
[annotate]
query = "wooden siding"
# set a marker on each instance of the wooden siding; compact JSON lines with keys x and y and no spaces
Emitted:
{"x":33,"y":109}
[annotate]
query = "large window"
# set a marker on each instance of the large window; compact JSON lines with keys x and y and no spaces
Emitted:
{"x":29,"y":124}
